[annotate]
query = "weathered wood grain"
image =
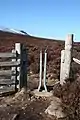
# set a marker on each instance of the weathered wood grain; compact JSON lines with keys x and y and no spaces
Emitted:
{"x":7,"y":72}
{"x":7,"y":55}
{"x":66,"y":66}
{"x":76,"y":60}
{"x":6,"y":82}
{"x":9,"y":64}
{"x":5,"y":89}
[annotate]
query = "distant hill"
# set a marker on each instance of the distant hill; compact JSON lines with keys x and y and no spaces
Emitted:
{"x":13,"y":31}
{"x":34,"y":45}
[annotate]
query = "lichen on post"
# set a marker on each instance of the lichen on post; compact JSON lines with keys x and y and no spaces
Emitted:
{"x":62,"y":67}
{"x":66,"y":67}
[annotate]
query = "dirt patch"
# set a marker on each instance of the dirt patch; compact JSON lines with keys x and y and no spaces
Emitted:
{"x":24,"y":106}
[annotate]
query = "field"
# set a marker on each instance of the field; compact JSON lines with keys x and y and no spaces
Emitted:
{"x":24,"y":105}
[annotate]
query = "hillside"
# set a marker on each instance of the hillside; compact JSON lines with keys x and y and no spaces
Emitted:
{"x":34,"y":45}
{"x":68,"y":93}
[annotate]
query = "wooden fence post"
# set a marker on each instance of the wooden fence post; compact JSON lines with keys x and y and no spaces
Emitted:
{"x":18,"y":50}
{"x":21,"y":50}
{"x":23,"y":69}
{"x":66,"y":67}
{"x":62,"y":68}
{"x":14,"y":69}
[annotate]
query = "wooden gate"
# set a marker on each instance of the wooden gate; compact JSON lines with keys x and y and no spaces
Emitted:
{"x":13,"y":69}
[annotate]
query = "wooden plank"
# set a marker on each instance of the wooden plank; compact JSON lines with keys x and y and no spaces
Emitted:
{"x":9,"y":64}
{"x":14,"y":69}
{"x":7,"y":72}
{"x":8,"y":55}
{"x":23,"y":68}
{"x":6,"y":89}
{"x":18,"y":49}
{"x":76,"y":60}
{"x":7,"y":82}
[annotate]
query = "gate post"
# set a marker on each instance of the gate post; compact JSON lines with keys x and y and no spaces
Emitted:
{"x":22,"y":69}
{"x":65,"y":72}
{"x":18,"y":50}
{"x":62,"y":67}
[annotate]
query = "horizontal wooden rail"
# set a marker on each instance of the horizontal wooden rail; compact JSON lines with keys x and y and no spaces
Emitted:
{"x":9,"y":55}
{"x":9,"y":64}
{"x":76,"y":60}
{"x":7,"y":72}
{"x":7,"y":89}
{"x":6,"y":82}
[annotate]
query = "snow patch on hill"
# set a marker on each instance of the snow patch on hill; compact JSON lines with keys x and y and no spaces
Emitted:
{"x":10,"y":30}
